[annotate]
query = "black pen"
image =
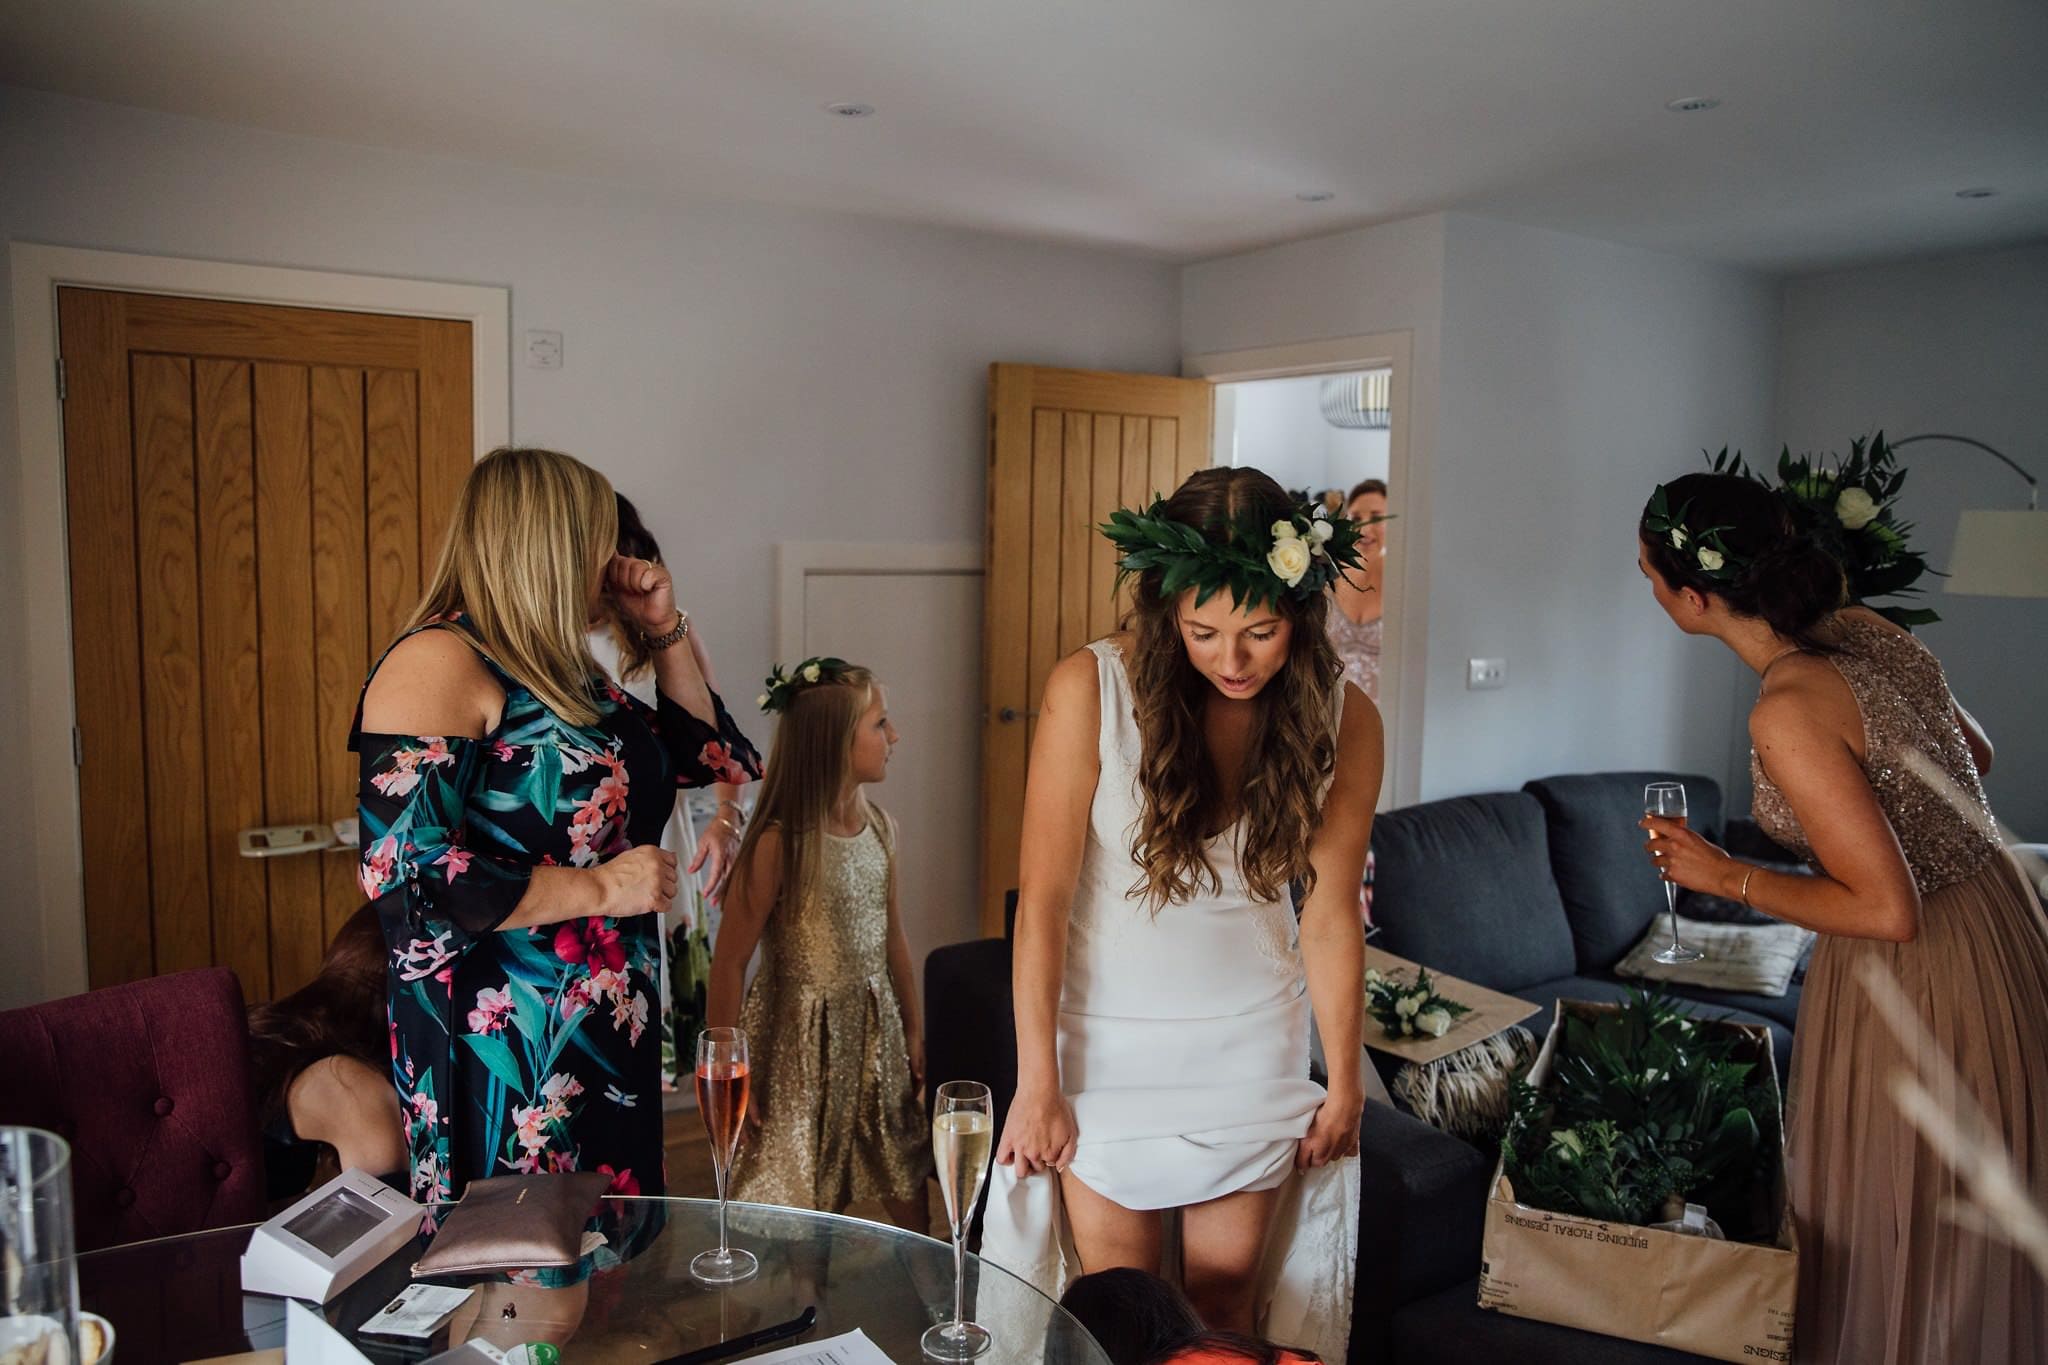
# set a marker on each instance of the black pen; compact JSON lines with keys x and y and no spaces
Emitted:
{"x":796,"y":1326}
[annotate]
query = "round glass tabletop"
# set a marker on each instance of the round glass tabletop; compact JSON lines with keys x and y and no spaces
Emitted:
{"x":180,"y":1298}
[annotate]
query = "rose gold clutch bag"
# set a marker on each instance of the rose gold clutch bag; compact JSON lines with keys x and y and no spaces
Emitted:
{"x":515,"y":1222}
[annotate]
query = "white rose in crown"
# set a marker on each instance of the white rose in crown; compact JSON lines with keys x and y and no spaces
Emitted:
{"x":1710,"y":559}
{"x":1678,"y":537}
{"x":761,"y":702}
{"x":1855,"y":509}
{"x":1284,"y":530}
{"x":1436,"y":1023}
{"x":1320,"y":530}
{"x":811,"y":673}
{"x":1289,"y":559}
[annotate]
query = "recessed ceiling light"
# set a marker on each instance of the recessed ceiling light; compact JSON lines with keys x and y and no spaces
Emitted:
{"x":1316,"y":196}
{"x":850,"y":109}
{"x":1979,"y":192}
{"x":1693,"y":104}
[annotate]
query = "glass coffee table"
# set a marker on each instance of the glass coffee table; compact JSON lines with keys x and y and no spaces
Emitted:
{"x":180,"y":1298}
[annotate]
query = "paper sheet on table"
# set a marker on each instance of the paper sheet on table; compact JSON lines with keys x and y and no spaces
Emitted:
{"x":308,"y":1340}
{"x":848,"y":1348}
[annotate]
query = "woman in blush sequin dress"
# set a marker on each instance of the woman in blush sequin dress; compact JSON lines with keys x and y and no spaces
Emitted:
{"x":1865,"y":765}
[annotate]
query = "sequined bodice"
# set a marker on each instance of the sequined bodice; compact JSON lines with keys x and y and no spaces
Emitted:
{"x":1358,"y":644}
{"x":840,"y":933}
{"x":1939,"y":812}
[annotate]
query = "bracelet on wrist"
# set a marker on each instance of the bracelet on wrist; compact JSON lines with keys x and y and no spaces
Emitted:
{"x":681,"y":629}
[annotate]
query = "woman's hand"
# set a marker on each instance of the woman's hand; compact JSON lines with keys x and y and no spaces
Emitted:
{"x":717,"y":848}
{"x":1333,"y":1132}
{"x":1684,"y":858}
{"x":1040,"y":1133}
{"x":644,"y":593}
{"x":639,"y":881}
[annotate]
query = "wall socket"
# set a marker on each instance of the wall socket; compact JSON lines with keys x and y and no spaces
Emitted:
{"x":1484,"y":675}
{"x":544,"y":350}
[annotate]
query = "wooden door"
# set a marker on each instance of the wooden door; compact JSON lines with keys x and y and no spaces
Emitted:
{"x":1066,"y":448}
{"x":251,"y":492}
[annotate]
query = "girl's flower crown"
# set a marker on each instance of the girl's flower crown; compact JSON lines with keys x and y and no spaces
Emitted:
{"x":783,"y":687}
{"x":1301,"y":554}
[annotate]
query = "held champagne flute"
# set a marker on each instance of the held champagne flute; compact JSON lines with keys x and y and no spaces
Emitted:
{"x":722,"y":1079}
{"x":1667,"y":799}
{"x":963,"y":1135}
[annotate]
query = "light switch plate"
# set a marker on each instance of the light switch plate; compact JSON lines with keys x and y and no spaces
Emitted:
{"x":1484,"y":675}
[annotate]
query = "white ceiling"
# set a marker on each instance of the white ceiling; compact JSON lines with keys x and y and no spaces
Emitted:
{"x":1182,"y":128}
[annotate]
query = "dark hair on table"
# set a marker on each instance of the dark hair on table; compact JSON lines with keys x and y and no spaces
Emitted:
{"x":339,"y":1012}
{"x":1133,"y":1315}
{"x":1771,"y":572}
{"x":1364,"y":486}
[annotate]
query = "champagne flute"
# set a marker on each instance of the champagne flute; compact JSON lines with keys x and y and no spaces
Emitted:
{"x":1667,"y":799}
{"x":722,"y":1079}
{"x":963,"y":1135}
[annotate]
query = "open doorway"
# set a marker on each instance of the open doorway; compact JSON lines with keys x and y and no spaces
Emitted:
{"x":1328,"y":437}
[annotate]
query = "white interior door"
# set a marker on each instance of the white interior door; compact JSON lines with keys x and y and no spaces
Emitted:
{"x":919,"y":628}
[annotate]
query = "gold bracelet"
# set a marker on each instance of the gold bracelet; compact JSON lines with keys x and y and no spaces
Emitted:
{"x":661,"y":642}
{"x":1745,"y":884}
{"x":721,"y":820}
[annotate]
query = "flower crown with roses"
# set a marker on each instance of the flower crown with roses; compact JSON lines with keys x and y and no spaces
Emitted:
{"x":1701,"y":544}
{"x":813,"y":672}
{"x":1300,"y":554}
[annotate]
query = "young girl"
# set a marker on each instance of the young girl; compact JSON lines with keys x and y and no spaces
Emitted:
{"x":832,"y":1016}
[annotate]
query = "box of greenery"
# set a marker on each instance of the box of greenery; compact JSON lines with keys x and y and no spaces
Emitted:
{"x":1641,"y":1184}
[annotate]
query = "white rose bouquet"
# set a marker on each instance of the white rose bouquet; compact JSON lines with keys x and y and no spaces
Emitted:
{"x":1410,"y":1009}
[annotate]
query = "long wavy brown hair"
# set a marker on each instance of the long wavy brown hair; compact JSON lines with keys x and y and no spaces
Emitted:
{"x":1292,"y":741}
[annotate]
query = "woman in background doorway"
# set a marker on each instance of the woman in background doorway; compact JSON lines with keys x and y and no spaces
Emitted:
{"x":1357,"y":599}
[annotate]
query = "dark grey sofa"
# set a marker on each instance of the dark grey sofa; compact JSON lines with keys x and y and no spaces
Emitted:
{"x":1537,"y":893}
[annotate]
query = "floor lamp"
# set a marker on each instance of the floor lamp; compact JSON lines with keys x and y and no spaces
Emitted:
{"x":1998,"y":552}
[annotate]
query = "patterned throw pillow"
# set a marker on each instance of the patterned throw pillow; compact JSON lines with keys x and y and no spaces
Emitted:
{"x":1755,"y":959}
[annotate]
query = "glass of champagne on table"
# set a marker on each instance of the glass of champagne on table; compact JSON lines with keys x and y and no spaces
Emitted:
{"x":1667,"y":800}
{"x":722,"y":1080}
{"x":963,"y":1138}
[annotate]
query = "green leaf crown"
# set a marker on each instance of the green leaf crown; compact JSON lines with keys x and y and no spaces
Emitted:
{"x":781,"y":687}
{"x":1849,"y":509}
{"x":1249,"y":560}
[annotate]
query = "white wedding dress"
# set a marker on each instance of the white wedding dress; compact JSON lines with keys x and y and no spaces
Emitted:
{"x":1184,"y":1048}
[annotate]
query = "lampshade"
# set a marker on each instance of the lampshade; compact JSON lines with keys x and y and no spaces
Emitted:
{"x":2000,"y":554}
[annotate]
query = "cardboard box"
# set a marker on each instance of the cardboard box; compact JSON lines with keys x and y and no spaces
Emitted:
{"x":1728,"y":1300}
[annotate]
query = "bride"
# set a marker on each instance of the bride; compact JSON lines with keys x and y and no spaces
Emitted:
{"x":1189,"y":779}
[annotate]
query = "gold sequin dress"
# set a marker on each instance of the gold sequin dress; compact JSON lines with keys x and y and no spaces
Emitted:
{"x":842,"y":1120}
{"x":1885,"y":1277}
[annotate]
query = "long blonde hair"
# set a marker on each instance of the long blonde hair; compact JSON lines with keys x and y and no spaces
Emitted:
{"x":530,"y":528}
{"x":807,"y":769}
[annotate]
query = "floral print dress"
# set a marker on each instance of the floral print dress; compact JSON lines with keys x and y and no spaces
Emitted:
{"x":530,"y":1050}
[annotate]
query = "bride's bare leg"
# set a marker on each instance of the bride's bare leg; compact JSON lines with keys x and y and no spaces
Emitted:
{"x":1222,"y":1243}
{"x":1106,"y":1234}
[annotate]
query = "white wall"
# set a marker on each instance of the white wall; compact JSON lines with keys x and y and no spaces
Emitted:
{"x":748,"y":374}
{"x":1957,"y":345}
{"x":1556,"y":380}
{"x":1577,"y":375}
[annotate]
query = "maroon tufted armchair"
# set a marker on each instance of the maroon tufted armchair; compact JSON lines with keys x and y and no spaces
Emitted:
{"x":149,"y":1083}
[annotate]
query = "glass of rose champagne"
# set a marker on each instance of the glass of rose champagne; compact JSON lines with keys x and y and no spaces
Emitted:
{"x":1667,"y":799}
{"x":722,"y":1079}
{"x":963,"y":1136}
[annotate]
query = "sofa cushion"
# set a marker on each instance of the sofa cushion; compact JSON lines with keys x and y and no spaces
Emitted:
{"x":1463,"y":886}
{"x":1450,"y":1328}
{"x":1609,"y":989}
{"x":1609,"y":886}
